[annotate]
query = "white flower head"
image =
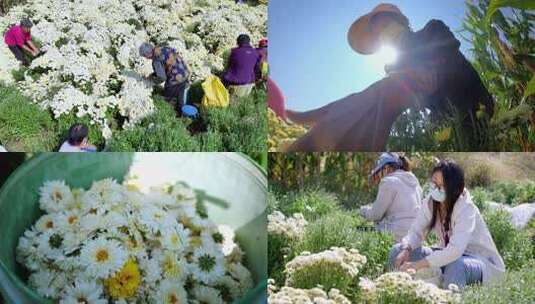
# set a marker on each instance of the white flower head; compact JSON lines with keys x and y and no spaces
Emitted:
{"x":207,"y":264}
{"x":208,"y":295}
{"x":51,"y":245}
{"x":176,"y":239}
{"x":103,"y":257}
{"x":83,"y":292}
{"x":171,"y":292}
{"x":55,"y":196}
{"x":172,"y":265}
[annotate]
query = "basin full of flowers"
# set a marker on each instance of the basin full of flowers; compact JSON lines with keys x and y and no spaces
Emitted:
{"x":401,"y":285}
{"x":90,"y":64}
{"x":114,"y":244}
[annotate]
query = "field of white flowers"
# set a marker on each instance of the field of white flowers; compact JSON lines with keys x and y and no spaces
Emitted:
{"x":90,"y":64}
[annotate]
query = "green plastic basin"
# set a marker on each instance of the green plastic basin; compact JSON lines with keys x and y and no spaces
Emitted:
{"x":239,"y":185}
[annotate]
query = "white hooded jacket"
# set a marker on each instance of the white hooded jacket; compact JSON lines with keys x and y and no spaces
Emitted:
{"x":468,"y":234}
{"x":396,"y":206}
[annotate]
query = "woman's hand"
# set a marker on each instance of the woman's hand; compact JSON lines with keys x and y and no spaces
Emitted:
{"x":421,"y":264}
{"x":402,"y":258}
{"x":363,"y":210}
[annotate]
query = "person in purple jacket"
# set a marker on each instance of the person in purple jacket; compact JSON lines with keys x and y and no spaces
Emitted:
{"x":18,"y":40}
{"x":244,"y":63}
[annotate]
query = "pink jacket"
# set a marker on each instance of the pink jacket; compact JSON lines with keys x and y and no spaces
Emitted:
{"x":16,"y":36}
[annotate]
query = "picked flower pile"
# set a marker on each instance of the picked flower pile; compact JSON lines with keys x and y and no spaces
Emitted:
{"x":114,"y":244}
{"x":281,"y":133}
{"x":396,"y":285}
{"x":289,"y":295}
{"x":291,"y":227}
{"x":335,"y":260}
{"x":91,"y":66}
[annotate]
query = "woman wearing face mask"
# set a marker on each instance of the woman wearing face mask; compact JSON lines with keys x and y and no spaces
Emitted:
{"x":398,"y":198}
{"x":430,"y":72}
{"x":467,"y":253}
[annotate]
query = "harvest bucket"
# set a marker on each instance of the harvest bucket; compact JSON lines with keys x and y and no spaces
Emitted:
{"x":237,"y":183}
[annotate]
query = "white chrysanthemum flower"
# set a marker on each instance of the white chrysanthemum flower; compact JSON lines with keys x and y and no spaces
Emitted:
{"x":103,"y":257}
{"x":55,"y":196}
{"x":207,"y":264}
{"x":155,"y":219}
{"x":232,"y":286}
{"x":222,"y":237}
{"x":91,"y":222}
{"x":45,"y":282}
{"x":242,"y":274}
{"x":208,"y":295}
{"x":176,"y":239}
{"x":88,"y":292}
{"x":151,"y":269}
{"x":172,"y":265}
{"x":47,"y":222}
{"x":108,"y":191}
{"x":51,"y":245}
{"x":171,"y":292}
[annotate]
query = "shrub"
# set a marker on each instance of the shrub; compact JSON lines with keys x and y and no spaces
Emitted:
{"x":283,"y":233}
{"x":514,"y":246}
{"x":272,"y":202}
{"x":376,"y":247}
{"x":480,"y":196}
{"x":513,"y":193}
{"x":24,"y":126}
{"x":161,"y":131}
{"x":344,"y":229}
{"x":279,"y":248}
{"x":243,"y":125}
{"x":336,"y":229}
{"x":479,"y":175}
{"x":517,"y":287}
{"x":334,"y":268}
{"x":312,"y":203}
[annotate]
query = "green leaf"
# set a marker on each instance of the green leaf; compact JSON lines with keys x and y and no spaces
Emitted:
{"x":497,"y":4}
{"x":530,"y":89}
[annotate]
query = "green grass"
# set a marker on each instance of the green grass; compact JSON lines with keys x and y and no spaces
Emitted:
{"x":515,"y":247}
{"x":509,"y":193}
{"x":313,"y":203}
{"x":517,"y":287}
{"x":23,"y":125}
{"x":242,"y":126}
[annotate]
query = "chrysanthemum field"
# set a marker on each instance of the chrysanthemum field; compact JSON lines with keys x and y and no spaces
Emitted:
{"x":322,"y":251}
{"x":90,"y":71}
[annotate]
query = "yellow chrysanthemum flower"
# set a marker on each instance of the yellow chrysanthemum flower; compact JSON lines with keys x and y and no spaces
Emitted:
{"x":124,"y":283}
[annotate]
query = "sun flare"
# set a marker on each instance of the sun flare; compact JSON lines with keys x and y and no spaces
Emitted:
{"x":386,"y":55}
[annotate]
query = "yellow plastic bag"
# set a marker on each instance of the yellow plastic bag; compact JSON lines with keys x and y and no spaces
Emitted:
{"x":215,"y":93}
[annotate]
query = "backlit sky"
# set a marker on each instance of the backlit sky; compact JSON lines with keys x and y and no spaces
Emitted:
{"x":310,"y":58}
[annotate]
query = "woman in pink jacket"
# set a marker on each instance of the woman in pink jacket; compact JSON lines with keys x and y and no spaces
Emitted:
{"x":466,"y":253}
{"x":18,"y":39}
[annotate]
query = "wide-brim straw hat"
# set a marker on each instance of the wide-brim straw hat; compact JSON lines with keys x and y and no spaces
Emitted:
{"x":361,"y":37}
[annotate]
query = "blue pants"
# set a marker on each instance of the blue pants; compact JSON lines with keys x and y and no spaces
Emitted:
{"x":461,"y":272}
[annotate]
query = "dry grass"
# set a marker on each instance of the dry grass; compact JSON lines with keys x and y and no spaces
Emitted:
{"x":505,"y":166}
